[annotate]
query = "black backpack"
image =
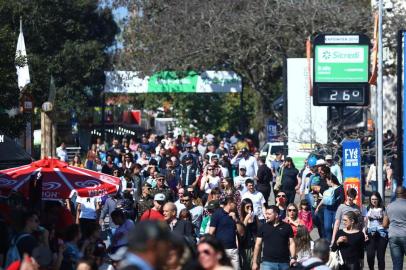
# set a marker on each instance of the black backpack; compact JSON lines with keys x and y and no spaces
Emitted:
{"x":299,"y":266}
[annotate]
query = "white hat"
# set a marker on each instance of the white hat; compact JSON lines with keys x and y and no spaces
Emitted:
{"x":159,"y":197}
{"x":329,"y":157}
{"x":321,"y":162}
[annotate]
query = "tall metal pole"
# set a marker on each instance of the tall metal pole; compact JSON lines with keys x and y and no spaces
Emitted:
{"x":399,"y":118}
{"x":379,"y":103}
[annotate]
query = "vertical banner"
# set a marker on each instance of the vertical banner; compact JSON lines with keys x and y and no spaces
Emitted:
{"x":352,"y":167}
{"x":272,"y":130}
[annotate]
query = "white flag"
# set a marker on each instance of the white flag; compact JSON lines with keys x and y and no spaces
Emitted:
{"x":23,"y":72}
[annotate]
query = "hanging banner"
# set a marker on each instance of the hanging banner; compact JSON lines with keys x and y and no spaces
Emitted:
{"x":173,"y":82}
{"x":352,"y":168}
{"x":351,"y":159}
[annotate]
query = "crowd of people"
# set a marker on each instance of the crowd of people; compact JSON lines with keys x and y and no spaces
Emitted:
{"x":201,"y":203}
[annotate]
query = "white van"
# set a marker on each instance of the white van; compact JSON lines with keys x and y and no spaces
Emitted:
{"x":270,"y":149}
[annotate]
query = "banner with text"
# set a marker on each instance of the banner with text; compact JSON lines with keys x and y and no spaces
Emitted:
{"x":173,"y":82}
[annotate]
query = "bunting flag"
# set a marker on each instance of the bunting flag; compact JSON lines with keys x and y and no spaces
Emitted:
{"x":374,"y":73}
{"x":23,"y":72}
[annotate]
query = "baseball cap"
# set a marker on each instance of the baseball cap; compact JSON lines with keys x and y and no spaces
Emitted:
{"x":321,"y":162}
{"x":147,"y":185}
{"x":214,"y":204}
{"x":244,"y":149}
{"x":159,"y":197}
{"x":329,"y":157}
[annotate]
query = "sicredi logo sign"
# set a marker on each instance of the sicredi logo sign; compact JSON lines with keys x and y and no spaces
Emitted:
{"x":340,"y":55}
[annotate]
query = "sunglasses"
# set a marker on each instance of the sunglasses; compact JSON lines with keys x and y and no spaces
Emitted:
{"x":185,"y":200}
{"x":205,"y":252}
{"x":160,"y":179}
{"x":281,"y":196}
{"x":292,"y":210}
{"x":209,"y":169}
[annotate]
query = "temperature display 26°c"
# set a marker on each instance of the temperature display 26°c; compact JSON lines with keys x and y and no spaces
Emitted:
{"x":341,"y":95}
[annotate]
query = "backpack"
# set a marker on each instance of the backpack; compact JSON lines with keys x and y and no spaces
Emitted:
{"x":328,"y":196}
{"x":300,"y":266}
{"x":13,"y":254}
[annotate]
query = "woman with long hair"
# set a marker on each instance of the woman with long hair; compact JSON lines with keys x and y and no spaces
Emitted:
{"x":303,"y":243}
{"x":292,"y":217}
{"x":228,"y":190}
{"x":77,"y":162}
{"x":289,"y":182}
{"x":332,"y":198}
{"x":350,"y":242}
{"x":377,"y":235}
{"x":211,"y":254}
{"x":247,"y":242}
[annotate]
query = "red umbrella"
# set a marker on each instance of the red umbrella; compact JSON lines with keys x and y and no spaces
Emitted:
{"x":59,"y":180}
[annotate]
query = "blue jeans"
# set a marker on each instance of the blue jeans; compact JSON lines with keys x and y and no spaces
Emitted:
{"x":274,"y":266}
{"x":374,"y":186}
{"x":329,"y":218}
{"x":397,"y":247}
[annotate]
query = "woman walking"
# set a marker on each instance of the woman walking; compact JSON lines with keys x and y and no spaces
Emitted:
{"x":377,"y":235}
{"x":350,"y":242}
{"x":247,"y":242}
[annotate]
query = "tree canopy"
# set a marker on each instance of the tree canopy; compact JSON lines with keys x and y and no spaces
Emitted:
{"x":68,"y":39}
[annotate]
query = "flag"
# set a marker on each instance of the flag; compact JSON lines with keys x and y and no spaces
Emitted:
{"x":23,"y":72}
{"x":374,"y":74}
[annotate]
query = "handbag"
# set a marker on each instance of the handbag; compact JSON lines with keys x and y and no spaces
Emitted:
{"x":335,"y":260}
{"x":278,"y":181}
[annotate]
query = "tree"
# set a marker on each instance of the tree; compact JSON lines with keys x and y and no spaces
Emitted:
{"x":68,"y":39}
{"x":250,"y":37}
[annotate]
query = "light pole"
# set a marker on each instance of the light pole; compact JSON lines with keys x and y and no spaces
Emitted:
{"x":379,"y":103}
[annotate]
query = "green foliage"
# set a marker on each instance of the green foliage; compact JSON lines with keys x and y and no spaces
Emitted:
{"x":68,"y":39}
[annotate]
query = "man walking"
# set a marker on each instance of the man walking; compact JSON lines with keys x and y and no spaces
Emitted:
{"x":397,"y":228}
{"x":182,"y":227}
{"x":257,"y":199}
{"x":277,"y":239}
{"x":225,"y":225}
{"x":264,"y":178}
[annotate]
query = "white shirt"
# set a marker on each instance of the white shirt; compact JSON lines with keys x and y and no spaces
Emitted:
{"x":62,"y":154}
{"x":87,"y":207}
{"x":179,"y":207}
{"x":250,"y":164}
{"x":212,"y":183}
{"x":258,"y":201}
{"x":239,"y":183}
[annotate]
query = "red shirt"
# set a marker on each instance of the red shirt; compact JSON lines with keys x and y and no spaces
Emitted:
{"x":152,"y":215}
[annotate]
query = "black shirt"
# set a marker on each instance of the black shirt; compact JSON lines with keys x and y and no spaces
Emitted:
{"x":353,"y":250}
{"x":226,"y":229}
{"x":289,"y":179}
{"x":264,"y":175}
{"x":276,"y":242}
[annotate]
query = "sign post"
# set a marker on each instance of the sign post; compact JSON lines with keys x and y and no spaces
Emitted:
{"x":352,"y":167}
{"x":341,"y":70}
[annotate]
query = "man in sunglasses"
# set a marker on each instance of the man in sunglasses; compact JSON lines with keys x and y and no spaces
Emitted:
{"x":196,"y":211}
{"x":145,"y":200}
{"x":161,"y":187}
